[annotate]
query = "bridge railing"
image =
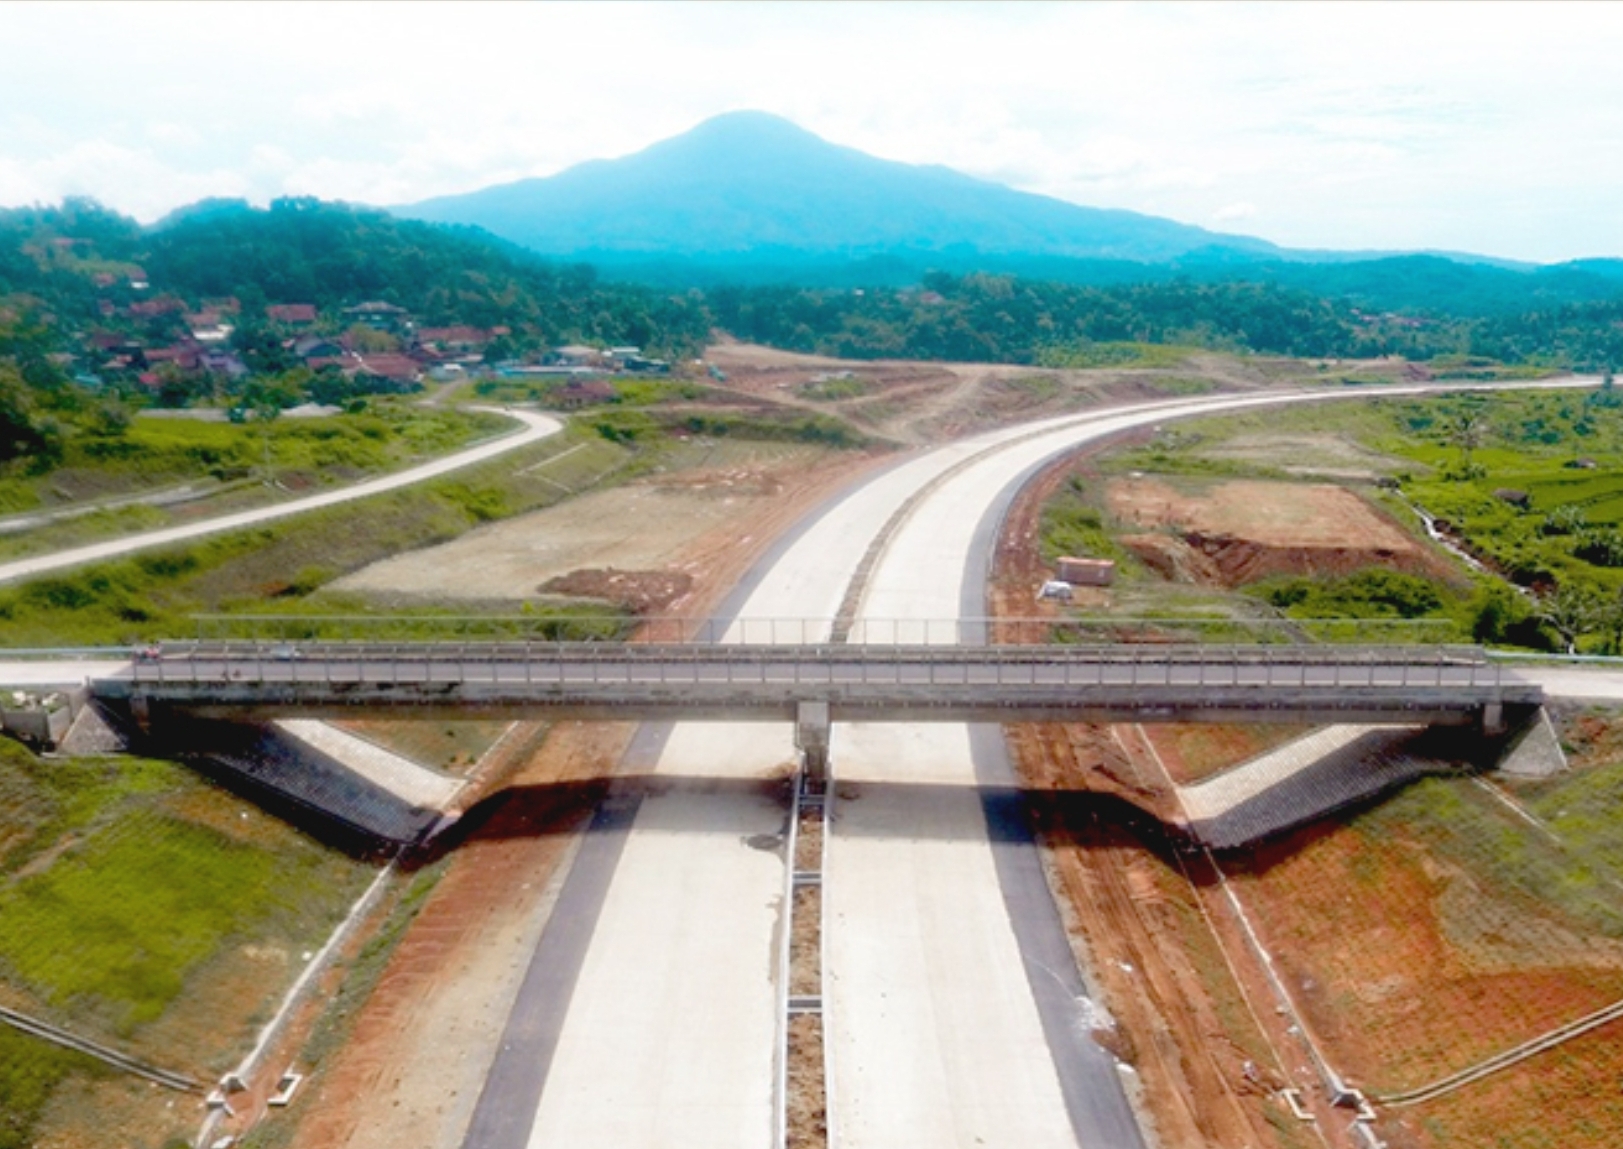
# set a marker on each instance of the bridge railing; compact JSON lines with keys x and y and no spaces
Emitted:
{"x":793,"y":630}
{"x":1003,"y":666}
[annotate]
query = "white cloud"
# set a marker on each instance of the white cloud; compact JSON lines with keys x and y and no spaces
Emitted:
{"x":1488,"y":127}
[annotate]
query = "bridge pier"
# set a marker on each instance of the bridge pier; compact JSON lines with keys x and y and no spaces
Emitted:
{"x":1493,"y":719}
{"x":811,"y":739}
{"x":141,"y":713}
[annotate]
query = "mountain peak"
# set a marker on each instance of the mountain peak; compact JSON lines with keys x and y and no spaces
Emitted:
{"x":748,"y":184}
{"x":747,"y":124}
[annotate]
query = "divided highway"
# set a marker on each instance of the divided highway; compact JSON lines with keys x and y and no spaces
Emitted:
{"x":953,"y":1005}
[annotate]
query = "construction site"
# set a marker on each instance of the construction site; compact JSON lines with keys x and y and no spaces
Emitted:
{"x":1286,"y":935}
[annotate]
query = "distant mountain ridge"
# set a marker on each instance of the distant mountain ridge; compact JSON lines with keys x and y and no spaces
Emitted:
{"x":753,"y":184}
{"x":749,"y":198}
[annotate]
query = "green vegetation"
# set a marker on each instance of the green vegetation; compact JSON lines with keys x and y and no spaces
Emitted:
{"x":346,"y":618}
{"x":1528,"y":482}
{"x":1575,"y":877}
{"x":1581,"y":807}
{"x":97,"y":315}
{"x":619,"y":391}
{"x":1088,"y":354}
{"x":1071,"y":524}
{"x":128,"y":888}
{"x":644,"y":426}
{"x":835,"y":389}
{"x":30,"y":1071}
{"x":329,"y":255}
{"x":1157,"y":322}
{"x":281,"y":567}
{"x":1371,"y":593}
{"x":156,"y":454}
{"x":108,"y":929}
{"x":1002,"y":319}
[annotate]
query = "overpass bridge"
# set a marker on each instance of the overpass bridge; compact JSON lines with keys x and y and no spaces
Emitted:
{"x":815,"y":684}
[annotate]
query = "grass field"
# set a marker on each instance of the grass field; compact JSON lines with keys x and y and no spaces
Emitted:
{"x":450,"y":746}
{"x":1532,"y":481}
{"x":145,"y":908}
{"x":32,"y":1070}
{"x":226,"y":463}
{"x":279,"y":567}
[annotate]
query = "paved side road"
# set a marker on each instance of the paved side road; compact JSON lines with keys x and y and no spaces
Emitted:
{"x":535,"y":427}
{"x":1575,"y":683}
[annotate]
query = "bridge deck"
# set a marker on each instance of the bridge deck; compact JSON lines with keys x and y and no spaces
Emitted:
{"x":876,"y":683}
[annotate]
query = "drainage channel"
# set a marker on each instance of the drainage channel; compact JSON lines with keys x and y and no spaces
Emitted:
{"x":803,"y":1087}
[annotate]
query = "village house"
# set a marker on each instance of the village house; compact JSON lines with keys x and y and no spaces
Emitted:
{"x":291,"y":314}
{"x":450,"y":342}
{"x":312,"y":347}
{"x":582,"y":393}
{"x":379,"y":316}
{"x":576,"y":355}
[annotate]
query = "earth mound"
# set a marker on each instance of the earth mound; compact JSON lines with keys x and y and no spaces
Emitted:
{"x":1245,"y":531}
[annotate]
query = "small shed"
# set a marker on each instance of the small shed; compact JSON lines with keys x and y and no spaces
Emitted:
{"x":1086,"y":572}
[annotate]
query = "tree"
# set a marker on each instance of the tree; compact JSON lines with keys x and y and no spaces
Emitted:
{"x":1499,"y":614}
{"x":1467,"y":430}
{"x":1612,"y":623}
{"x":23,"y":434}
{"x":1571,"y":610}
{"x":368,"y":340}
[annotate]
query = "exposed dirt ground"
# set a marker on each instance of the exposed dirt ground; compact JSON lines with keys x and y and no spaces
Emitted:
{"x":417,"y":1055}
{"x":1241,"y":532}
{"x":1324,"y":456}
{"x":1205,"y":1061}
{"x":913,"y":402}
{"x":1405,"y":965}
{"x":1410,"y":967}
{"x":672,"y":538}
{"x":1197,"y":750}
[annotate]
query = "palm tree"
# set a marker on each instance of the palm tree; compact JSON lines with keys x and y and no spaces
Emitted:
{"x":1467,"y":431}
{"x":1571,"y":611}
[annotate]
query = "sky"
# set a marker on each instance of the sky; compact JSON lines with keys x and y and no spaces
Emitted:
{"x":1493,"y":128}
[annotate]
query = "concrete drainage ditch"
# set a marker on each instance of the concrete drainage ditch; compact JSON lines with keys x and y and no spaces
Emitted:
{"x":803,"y":1085}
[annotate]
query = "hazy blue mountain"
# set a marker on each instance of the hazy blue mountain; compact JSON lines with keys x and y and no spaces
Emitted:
{"x":748,"y":187}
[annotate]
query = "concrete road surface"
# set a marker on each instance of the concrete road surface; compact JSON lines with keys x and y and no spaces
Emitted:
{"x":1578,"y":682}
{"x":954,"y":1012}
{"x":671,"y":1031}
{"x":52,"y":674}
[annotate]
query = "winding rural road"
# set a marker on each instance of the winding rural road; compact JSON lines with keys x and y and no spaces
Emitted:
{"x":535,"y":427}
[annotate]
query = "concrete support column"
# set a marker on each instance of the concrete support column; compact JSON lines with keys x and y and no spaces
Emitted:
{"x":1493,"y":719}
{"x":141,"y":711}
{"x":811,"y":739}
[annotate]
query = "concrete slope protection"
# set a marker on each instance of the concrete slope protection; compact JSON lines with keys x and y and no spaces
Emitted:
{"x":953,"y":1002}
{"x":533,"y":428}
